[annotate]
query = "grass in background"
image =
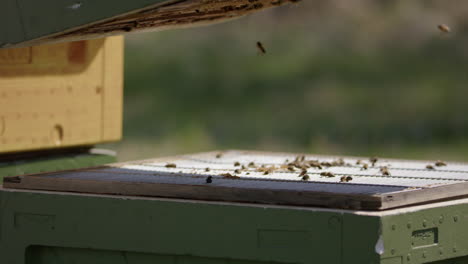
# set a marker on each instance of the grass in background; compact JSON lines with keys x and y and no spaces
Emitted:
{"x":342,"y":77}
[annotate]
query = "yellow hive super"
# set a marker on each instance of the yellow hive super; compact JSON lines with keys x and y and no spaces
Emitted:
{"x":61,"y":95}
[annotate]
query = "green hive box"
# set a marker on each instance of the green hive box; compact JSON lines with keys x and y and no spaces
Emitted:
{"x":40,"y":226}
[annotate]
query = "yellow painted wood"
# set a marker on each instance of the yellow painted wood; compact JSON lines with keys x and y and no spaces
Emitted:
{"x":61,"y":95}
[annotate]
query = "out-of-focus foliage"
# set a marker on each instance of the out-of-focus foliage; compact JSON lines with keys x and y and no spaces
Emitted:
{"x":354,"y":77}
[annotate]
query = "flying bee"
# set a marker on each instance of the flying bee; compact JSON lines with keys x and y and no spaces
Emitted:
{"x":171,"y":165}
{"x":261,"y":49}
{"x":440,"y":163}
{"x":444,"y":28}
{"x":346,"y":179}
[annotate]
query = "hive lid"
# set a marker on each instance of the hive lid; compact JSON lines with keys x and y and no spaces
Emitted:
{"x":29,"y":23}
{"x":272,"y":178}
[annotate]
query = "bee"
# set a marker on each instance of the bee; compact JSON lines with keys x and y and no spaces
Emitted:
{"x":365,"y":166}
{"x":261,"y":48}
{"x":251,"y":165}
{"x":440,"y":163}
{"x":326,"y":164}
{"x":339,"y":162}
{"x":327,"y":174}
{"x":237,"y":171}
{"x":219,"y":155}
{"x":229,"y":176}
{"x":303,"y":172}
{"x":314,"y":164}
{"x":290,"y":168}
{"x":207,"y":169}
{"x":373,"y":161}
{"x":346,"y":179}
{"x":430,"y":167}
{"x":236,"y":164}
{"x":384,"y":171}
{"x":305,"y":177}
{"x":209,"y":179}
{"x":444,"y":28}
{"x":243,"y":167}
{"x":266,"y":172}
{"x":171,"y":165}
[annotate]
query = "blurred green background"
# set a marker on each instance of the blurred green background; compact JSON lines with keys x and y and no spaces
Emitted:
{"x":351,"y":77}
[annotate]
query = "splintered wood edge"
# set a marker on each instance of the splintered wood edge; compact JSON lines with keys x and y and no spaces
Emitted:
{"x":168,"y":15}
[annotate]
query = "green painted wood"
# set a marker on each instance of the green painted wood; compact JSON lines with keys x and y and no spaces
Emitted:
{"x":427,"y":235}
{"x":57,"y":228}
{"x":38,"y":227}
{"x":31,"y":19}
{"x":11,"y":30}
{"x":53,"y":163}
{"x":462,"y":260}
